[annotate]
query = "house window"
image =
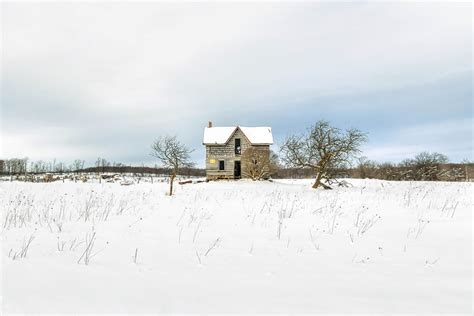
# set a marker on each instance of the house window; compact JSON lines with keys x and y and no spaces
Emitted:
{"x":237,"y":146}
{"x":221,"y":164}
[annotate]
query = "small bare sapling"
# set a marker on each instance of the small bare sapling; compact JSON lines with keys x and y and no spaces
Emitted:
{"x":87,"y":254}
{"x":24,"y":249}
{"x":212,"y":246}
{"x":135,"y":256}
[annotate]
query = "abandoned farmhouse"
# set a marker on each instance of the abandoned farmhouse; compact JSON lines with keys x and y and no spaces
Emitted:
{"x":226,"y":147}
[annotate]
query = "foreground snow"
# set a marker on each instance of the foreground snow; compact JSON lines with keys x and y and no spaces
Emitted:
{"x":397,"y":247}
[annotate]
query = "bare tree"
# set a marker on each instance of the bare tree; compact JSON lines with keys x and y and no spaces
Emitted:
{"x":274,"y":163}
{"x":424,"y":158}
{"x":428,"y":165}
{"x":25,"y":166}
{"x":256,"y":163}
{"x":101,"y":163}
{"x":77,"y":165}
{"x":172,"y":154}
{"x":425,"y":165}
{"x":259,"y":163}
{"x":366,"y":168}
{"x":466,"y":162}
{"x":39,"y":166}
{"x":323,"y":148}
{"x":16,"y":166}
{"x":60,"y":167}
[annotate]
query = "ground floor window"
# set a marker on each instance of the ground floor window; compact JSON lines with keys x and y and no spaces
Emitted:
{"x":221,"y":165}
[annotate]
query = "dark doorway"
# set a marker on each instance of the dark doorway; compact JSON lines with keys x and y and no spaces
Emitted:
{"x":236,"y":169}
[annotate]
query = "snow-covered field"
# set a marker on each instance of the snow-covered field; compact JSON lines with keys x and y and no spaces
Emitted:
{"x":379,"y":246}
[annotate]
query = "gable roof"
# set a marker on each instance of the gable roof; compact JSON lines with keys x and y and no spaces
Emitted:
{"x":222,"y":135}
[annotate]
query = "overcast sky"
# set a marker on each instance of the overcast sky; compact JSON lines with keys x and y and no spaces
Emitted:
{"x":83,"y":80}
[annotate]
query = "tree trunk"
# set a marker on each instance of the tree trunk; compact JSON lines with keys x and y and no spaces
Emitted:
{"x":173,"y":175}
{"x":318,"y":180}
{"x":321,"y":168}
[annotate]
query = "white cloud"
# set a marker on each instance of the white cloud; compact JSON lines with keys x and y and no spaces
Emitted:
{"x":117,"y":54}
{"x":164,"y":67}
{"x":452,"y":137}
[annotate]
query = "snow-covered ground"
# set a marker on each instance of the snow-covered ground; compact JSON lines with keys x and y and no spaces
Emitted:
{"x":379,"y":246}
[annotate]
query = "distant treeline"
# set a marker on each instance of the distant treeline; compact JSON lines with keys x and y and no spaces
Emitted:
{"x":20,"y":167}
{"x":424,"y":166}
{"x":387,"y":171}
{"x":196,"y":172}
{"x":427,"y":167}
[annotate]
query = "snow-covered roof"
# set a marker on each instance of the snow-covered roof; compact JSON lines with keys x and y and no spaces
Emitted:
{"x":217,"y":135}
{"x":221,"y":135}
{"x":258,"y":135}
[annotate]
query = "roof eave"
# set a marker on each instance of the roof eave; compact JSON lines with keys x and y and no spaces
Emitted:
{"x":224,"y":144}
{"x":215,"y":144}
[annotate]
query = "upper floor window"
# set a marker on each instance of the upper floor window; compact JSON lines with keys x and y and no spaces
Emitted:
{"x":238,"y":149}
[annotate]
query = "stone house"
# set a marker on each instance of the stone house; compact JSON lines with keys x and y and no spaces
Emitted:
{"x":225,"y":146}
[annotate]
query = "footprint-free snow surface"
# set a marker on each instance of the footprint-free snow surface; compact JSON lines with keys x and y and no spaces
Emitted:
{"x":259,"y":247}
